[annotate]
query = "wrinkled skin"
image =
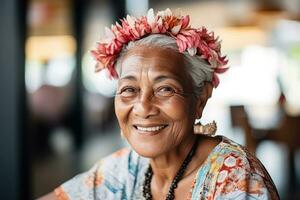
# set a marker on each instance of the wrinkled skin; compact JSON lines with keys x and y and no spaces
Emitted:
{"x":146,"y":71}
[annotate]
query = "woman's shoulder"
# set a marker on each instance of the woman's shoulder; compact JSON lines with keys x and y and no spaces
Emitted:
{"x":234,"y":153}
{"x":232,"y":170}
{"x":110,"y":176}
{"x":230,"y":154}
{"x":222,"y":150}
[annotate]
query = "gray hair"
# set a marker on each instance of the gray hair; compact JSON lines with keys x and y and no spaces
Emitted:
{"x":198,"y":69}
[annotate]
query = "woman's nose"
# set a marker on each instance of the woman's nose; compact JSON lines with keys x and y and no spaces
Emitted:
{"x":145,"y":107}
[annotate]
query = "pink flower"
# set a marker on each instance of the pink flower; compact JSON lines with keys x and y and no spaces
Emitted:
{"x":195,"y":41}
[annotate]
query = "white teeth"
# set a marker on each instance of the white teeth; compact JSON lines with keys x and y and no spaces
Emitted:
{"x":150,"y":129}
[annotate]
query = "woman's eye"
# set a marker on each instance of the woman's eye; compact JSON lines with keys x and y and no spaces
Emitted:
{"x":128,"y":92}
{"x":165,"y":91}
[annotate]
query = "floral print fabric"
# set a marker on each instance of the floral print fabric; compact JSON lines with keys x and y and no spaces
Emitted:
{"x":229,"y":172}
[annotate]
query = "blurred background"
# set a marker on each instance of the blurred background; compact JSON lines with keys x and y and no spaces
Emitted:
{"x":57,"y":115}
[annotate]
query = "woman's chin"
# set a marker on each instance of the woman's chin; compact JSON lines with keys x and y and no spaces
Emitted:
{"x":147,"y":145}
{"x":148,"y":150}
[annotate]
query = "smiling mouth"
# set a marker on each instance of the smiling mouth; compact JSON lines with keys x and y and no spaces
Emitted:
{"x":150,"y":129}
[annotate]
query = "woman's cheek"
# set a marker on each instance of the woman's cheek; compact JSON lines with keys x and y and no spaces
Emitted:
{"x":177,"y":109}
{"x":122,"y":112}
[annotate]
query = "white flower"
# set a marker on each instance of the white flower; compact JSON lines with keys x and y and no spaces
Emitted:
{"x":109,"y":36}
{"x":222,"y":176}
{"x":165,"y":13}
{"x":131,"y":21}
{"x":176,"y":29}
{"x":109,"y":33}
{"x":150,"y":16}
{"x":192,"y":51}
{"x":230,"y":161}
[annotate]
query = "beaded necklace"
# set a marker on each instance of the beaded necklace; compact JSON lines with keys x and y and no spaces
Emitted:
{"x":149,"y":173}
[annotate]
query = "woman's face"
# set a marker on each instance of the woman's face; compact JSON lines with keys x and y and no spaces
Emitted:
{"x":154,"y":104}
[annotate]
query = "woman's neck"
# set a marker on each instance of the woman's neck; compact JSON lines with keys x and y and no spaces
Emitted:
{"x":166,"y":166}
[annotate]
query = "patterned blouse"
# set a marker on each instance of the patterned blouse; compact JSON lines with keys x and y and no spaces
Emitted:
{"x":229,"y":172}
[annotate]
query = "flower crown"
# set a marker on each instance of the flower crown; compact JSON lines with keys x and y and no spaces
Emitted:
{"x":196,"y":41}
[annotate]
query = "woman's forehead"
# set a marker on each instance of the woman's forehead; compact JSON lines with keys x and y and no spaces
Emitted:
{"x":152,"y":59}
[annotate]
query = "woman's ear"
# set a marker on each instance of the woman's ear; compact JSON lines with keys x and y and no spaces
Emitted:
{"x":202,"y":99}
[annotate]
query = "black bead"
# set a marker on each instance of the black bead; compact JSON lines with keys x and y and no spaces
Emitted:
{"x":149,"y":173}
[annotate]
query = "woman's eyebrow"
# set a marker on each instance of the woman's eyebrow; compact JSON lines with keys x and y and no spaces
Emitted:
{"x":156,"y":79}
{"x":165,"y":77}
{"x":129,"y":77}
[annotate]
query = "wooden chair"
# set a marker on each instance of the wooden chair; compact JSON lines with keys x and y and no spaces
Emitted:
{"x":287,"y":132}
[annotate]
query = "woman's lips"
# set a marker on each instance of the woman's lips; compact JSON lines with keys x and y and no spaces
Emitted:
{"x":149,"y":129}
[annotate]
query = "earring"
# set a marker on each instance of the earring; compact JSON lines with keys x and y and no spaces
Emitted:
{"x":207,"y":129}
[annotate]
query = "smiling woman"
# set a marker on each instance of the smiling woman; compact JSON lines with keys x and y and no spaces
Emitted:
{"x":152,"y":83}
{"x":166,"y":72}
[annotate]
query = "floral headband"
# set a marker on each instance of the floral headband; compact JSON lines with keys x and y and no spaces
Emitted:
{"x":195,"y":41}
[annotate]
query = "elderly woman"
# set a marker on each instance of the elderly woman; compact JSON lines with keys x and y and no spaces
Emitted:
{"x":166,"y":72}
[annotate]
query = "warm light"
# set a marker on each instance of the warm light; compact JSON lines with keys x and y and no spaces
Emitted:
{"x":234,"y":38}
{"x":48,"y":47}
{"x":49,"y":60}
